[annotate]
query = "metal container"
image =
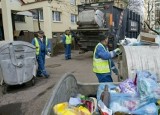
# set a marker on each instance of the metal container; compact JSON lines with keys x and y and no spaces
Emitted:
{"x":66,"y":88}
{"x":139,"y":58}
{"x":17,"y":62}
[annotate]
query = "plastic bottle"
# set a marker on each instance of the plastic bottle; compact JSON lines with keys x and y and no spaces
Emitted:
{"x":105,"y":96}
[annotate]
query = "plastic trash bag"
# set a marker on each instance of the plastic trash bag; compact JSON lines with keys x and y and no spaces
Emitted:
{"x":103,"y":109}
{"x":146,"y":86}
{"x":128,"y":86}
{"x":147,"y":74}
{"x":123,"y":102}
{"x":149,"y":109}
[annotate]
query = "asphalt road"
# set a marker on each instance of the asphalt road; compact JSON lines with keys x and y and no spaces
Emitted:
{"x":30,"y":100}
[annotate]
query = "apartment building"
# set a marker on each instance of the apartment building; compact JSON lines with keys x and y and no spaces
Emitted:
{"x":49,"y":15}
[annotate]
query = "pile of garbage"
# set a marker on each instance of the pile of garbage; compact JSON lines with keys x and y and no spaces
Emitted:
{"x":140,"y":95}
{"x":142,"y":39}
{"x":78,"y":105}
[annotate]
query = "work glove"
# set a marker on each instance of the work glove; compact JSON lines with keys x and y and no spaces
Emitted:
{"x":48,"y":54}
{"x":115,"y":70}
{"x":117,"y":51}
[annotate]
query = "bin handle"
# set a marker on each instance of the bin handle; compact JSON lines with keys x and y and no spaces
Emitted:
{"x":13,"y":60}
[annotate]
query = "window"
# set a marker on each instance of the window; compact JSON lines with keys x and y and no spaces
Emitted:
{"x":73,"y":18}
{"x":36,"y":12}
{"x":56,"y":16}
{"x":73,"y":2}
{"x":19,"y":18}
{"x":121,"y":5}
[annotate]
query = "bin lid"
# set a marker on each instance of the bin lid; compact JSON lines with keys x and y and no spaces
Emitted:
{"x":6,"y":44}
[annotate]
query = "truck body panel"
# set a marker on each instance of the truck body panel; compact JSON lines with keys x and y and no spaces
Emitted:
{"x":105,"y":18}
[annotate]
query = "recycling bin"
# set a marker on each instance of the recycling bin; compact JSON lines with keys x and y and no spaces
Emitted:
{"x":17,"y":63}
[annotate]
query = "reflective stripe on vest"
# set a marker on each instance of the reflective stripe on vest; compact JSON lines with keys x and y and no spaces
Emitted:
{"x":38,"y":46}
{"x":100,"y":65}
{"x":68,"y":39}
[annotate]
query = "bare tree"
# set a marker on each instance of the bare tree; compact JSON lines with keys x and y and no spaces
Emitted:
{"x":151,"y":21}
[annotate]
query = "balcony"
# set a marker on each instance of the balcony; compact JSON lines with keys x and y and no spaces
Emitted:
{"x":34,"y":1}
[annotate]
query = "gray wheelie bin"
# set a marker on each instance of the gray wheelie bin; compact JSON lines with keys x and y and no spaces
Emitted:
{"x":17,"y":63}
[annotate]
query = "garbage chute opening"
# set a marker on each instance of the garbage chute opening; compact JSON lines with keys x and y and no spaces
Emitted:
{"x":136,"y":58}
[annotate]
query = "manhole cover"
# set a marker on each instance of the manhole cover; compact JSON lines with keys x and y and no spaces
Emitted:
{"x":54,"y":65}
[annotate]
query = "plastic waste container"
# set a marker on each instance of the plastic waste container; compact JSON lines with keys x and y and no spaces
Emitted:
{"x":17,"y":63}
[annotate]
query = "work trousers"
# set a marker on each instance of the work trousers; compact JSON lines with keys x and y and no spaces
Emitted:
{"x":104,"y":77}
{"x":68,"y":51}
{"x":41,"y":64}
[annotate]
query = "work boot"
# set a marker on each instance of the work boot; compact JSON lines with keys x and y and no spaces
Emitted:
{"x":41,"y":75}
{"x":47,"y":76}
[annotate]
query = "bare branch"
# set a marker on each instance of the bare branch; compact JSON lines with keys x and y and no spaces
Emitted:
{"x":151,"y":28}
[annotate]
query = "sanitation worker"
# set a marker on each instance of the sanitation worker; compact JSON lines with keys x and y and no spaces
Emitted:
{"x":102,"y":60}
{"x":67,"y":41}
{"x":42,"y":48}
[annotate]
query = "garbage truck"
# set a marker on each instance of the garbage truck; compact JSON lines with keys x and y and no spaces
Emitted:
{"x":104,"y":17}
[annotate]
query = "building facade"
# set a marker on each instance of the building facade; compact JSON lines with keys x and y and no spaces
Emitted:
{"x":32,"y":15}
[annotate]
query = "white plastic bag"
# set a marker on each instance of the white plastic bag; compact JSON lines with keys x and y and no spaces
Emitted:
{"x":104,"y":110}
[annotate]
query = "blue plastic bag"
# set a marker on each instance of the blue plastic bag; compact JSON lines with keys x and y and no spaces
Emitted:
{"x":146,"y":86}
{"x":123,"y":102}
{"x":149,"y":109}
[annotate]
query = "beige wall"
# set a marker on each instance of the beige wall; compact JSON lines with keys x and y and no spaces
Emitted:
{"x":66,"y":9}
{"x":35,"y":25}
{"x":27,"y":25}
{"x":15,"y":5}
{"x":32,"y":25}
{"x":120,"y":4}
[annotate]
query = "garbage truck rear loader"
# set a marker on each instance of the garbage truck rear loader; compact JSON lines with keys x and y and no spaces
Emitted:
{"x":104,"y":17}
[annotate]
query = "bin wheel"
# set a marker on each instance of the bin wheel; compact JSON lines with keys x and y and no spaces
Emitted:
{"x":33,"y":81}
{"x":4,"y":88}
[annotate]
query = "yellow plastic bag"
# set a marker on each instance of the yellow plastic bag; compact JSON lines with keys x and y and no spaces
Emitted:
{"x":70,"y":112}
{"x":84,"y":111}
{"x":63,"y":109}
{"x":60,"y":108}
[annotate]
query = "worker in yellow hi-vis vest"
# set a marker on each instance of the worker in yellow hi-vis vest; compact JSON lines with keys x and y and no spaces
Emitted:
{"x":102,"y":60}
{"x":67,"y":41}
{"x":42,"y":48}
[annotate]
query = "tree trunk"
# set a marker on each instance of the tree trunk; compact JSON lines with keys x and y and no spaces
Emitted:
{"x":39,"y":26}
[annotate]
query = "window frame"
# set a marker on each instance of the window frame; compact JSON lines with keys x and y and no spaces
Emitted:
{"x":19,"y":18}
{"x":74,"y":18}
{"x":54,"y":14}
{"x":73,"y":2}
{"x":41,"y":17}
